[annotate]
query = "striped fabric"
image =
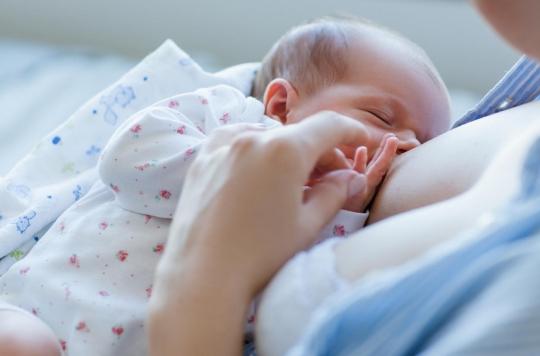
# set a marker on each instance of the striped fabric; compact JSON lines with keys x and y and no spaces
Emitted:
{"x":480,"y":297}
{"x":520,"y":85}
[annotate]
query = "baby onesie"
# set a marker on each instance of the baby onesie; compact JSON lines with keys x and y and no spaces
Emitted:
{"x":90,"y":276}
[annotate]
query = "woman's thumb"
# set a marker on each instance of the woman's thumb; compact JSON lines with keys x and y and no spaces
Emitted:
{"x":324,"y":199}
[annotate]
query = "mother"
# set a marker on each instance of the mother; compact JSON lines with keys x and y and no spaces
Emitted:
{"x":228,"y":249}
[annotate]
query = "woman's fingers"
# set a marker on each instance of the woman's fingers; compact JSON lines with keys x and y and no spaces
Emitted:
{"x":324,"y":131}
{"x":323,"y":200}
{"x":330,"y":161}
{"x":225,"y":134}
{"x":243,"y":193}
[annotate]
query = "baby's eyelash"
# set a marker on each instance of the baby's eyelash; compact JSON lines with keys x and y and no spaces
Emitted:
{"x":379,"y":116}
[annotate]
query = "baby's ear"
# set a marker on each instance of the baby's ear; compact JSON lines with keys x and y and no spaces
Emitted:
{"x":279,"y":97}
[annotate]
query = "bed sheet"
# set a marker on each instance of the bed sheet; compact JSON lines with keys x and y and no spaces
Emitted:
{"x":40,"y":86}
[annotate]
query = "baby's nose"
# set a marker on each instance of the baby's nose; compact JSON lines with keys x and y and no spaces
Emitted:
{"x":407,"y":144}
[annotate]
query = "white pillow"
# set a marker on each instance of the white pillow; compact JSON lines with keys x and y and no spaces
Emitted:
{"x":61,"y":168}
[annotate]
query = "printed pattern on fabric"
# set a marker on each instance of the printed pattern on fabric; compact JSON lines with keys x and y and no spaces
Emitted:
{"x":90,"y":276}
{"x":62,"y":167}
{"x":147,"y":158}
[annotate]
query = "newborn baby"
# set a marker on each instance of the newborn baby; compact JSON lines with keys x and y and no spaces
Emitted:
{"x":89,"y":278}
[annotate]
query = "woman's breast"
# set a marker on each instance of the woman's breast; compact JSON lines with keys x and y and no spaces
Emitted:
{"x":449,"y":164}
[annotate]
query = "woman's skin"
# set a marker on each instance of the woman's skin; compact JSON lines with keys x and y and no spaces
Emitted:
{"x":476,"y":176}
{"x":236,"y":235}
{"x":516,"y":21}
{"x":412,"y":181}
{"x":403,"y":237}
{"x":225,"y":246}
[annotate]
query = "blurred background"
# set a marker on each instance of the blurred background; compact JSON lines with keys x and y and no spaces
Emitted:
{"x":56,"y":54}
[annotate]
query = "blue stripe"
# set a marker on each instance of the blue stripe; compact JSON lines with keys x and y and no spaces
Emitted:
{"x":407,"y":311}
{"x":532,"y":90}
{"x":403,"y":318}
{"x":521,"y":84}
{"x":499,"y":92}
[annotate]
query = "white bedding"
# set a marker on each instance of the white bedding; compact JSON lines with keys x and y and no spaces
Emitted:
{"x":58,"y":173}
{"x":41,"y":86}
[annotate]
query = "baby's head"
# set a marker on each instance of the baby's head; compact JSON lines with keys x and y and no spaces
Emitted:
{"x":360,"y":70}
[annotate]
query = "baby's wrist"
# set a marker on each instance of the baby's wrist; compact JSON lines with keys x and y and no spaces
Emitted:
{"x":354,"y":210}
{"x":355,"y":207}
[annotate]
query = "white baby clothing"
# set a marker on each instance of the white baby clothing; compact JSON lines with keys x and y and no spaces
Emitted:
{"x":90,"y":276}
{"x":294,"y":294}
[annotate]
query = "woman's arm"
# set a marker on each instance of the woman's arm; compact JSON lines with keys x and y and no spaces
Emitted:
{"x":229,"y":236}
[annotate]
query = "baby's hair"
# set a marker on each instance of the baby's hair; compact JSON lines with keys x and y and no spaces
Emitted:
{"x":314,"y":55}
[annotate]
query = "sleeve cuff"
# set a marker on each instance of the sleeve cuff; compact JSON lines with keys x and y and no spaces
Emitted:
{"x":345,"y":223}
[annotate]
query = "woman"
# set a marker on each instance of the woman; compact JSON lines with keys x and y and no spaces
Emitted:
{"x":187,"y":317}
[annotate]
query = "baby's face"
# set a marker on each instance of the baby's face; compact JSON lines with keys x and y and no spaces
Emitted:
{"x":390,"y":90}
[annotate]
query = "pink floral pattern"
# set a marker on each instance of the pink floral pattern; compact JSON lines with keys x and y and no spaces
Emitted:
{"x":74,"y":261}
{"x":118,"y":330}
{"x":122,"y":255}
{"x":135,"y":128}
{"x":110,"y":253}
{"x":339,"y":230}
{"x":165,"y":194}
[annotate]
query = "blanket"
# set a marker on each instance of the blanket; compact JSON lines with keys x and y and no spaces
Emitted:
{"x":62,"y":166}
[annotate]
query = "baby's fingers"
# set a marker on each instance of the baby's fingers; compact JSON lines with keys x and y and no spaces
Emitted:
{"x":360,"y":159}
{"x":378,"y":167}
{"x":381,"y":147}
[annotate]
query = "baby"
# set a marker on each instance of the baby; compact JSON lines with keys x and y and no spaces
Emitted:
{"x":89,"y":278}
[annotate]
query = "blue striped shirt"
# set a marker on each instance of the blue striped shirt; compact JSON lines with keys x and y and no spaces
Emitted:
{"x":480,"y":297}
{"x":520,"y":85}
{"x":477,"y":298}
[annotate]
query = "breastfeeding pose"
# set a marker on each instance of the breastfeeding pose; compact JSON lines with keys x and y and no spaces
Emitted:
{"x":90,"y":277}
{"x":481,"y":171}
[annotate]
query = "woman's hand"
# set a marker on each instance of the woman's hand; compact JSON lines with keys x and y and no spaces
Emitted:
{"x":243,"y":200}
{"x":242,"y":214}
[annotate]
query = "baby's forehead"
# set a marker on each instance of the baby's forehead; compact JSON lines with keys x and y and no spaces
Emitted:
{"x":388,"y":57}
{"x":372,"y":41}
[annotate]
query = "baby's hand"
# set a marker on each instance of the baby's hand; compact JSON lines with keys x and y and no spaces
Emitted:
{"x":375,"y":171}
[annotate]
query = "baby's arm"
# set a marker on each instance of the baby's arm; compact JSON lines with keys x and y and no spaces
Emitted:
{"x":147,"y":158}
